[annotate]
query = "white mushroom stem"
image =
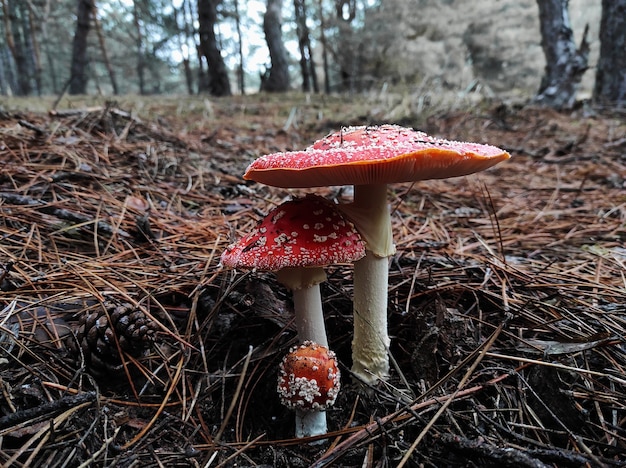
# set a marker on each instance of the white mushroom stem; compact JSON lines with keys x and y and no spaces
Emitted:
{"x":310,"y":423}
{"x":309,"y":316}
{"x":370,"y":345}
{"x":307,"y":303}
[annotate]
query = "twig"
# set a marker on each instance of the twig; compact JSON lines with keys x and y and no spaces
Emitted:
{"x":44,"y":434}
{"x":31,"y":126}
{"x":557,"y":366}
{"x":101,"y":450}
{"x":46,"y":409}
{"x":509,"y":457}
{"x":60,"y":213}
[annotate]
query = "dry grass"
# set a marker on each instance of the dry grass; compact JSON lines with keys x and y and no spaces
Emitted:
{"x":507,"y":294}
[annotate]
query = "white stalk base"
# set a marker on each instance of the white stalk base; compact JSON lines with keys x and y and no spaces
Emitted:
{"x":370,"y":345}
{"x":310,"y":423}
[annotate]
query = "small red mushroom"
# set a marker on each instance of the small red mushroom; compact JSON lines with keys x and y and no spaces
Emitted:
{"x":309,"y":377}
{"x":297,"y":239}
{"x":309,"y":382}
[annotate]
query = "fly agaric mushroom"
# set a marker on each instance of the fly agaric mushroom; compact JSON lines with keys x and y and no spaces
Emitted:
{"x":309,"y":382}
{"x":296,"y":240}
{"x":370,"y":158}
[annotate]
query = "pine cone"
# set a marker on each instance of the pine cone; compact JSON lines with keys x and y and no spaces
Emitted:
{"x":104,"y":331}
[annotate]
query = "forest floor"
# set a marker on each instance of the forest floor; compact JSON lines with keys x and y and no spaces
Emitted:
{"x":507,"y":296}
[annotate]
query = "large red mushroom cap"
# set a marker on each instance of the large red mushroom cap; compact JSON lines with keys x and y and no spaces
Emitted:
{"x":304,"y":232}
{"x":373,"y":155}
{"x":309,"y":379}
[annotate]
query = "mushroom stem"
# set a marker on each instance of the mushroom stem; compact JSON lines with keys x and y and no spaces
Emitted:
{"x":370,"y":345}
{"x":310,"y":423}
{"x":370,"y":214}
{"x":307,"y":303}
{"x":309,"y":316}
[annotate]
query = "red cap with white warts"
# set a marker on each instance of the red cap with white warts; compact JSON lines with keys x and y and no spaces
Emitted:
{"x":309,"y":378}
{"x":373,"y":155}
{"x":304,"y":232}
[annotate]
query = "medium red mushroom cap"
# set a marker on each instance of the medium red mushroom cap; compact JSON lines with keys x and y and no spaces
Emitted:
{"x":373,"y":155}
{"x":309,"y":378}
{"x":304,"y":232}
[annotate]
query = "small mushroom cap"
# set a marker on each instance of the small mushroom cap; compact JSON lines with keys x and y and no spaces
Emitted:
{"x":309,"y":378}
{"x":304,"y":232}
{"x":373,"y":155}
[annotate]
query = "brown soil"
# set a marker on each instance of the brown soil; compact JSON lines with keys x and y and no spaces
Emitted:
{"x":507,"y":302}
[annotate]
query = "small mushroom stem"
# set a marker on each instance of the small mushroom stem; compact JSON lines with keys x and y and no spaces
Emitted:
{"x":309,"y":316}
{"x":310,"y":423}
{"x":304,"y":284}
{"x":370,"y":345}
{"x":307,"y":304}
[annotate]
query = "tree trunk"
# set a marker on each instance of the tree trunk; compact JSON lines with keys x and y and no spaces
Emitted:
{"x":217,"y":76}
{"x":307,"y":64}
{"x":6,"y":74}
{"x":43,"y":17}
{"x":565,"y":64}
{"x":141,"y":63}
{"x":105,"y":54}
{"x":324,"y":48}
{"x":34,"y":27}
{"x":16,"y":19}
{"x":610,"y":86}
{"x":201,"y":76}
{"x":80,"y":59}
{"x":185,"y":49}
{"x":240,"y":71}
{"x":8,"y":52}
{"x":346,"y":13}
{"x":277,"y":80}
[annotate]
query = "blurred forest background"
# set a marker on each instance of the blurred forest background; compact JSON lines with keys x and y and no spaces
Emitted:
{"x":492,"y":48}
